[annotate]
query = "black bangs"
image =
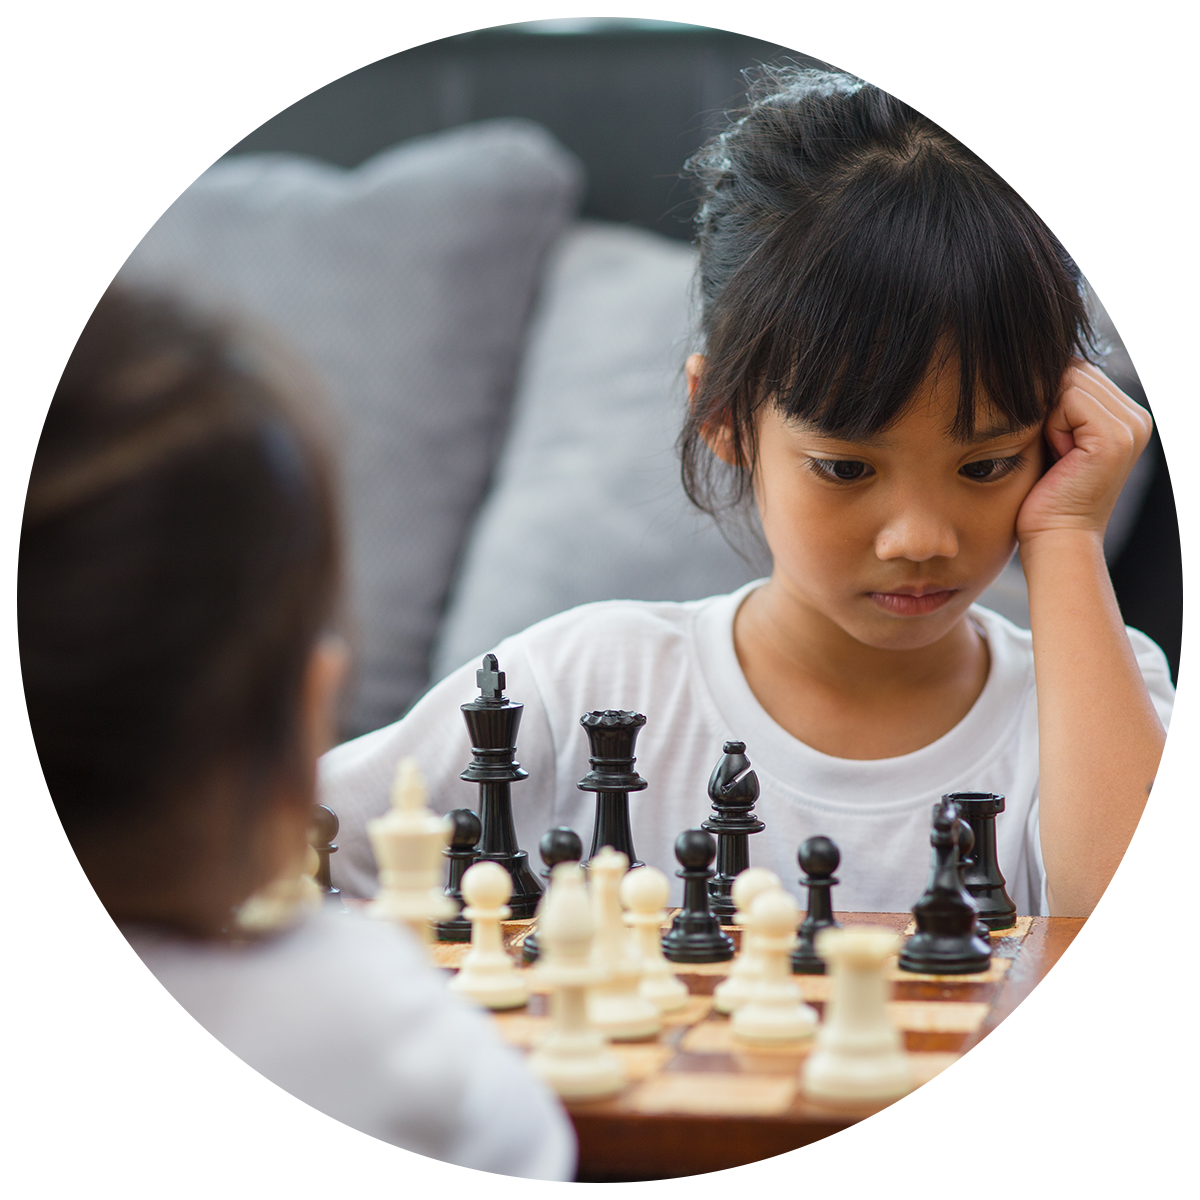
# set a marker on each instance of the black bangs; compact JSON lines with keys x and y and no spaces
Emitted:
{"x":847,"y":247}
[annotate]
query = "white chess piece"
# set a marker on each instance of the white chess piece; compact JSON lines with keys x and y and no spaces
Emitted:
{"x":859,"y":1055}
{"x":644,"y":893}
{"x":408,"y":842}
{"x":615,"y":1005}
{"x":774,"y":1011}
{"x":488,"y":974}
{"x":574,"y":1058}
{"x":734,"y":990}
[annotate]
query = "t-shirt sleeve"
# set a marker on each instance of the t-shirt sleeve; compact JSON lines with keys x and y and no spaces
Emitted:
{"x":355,"y":778}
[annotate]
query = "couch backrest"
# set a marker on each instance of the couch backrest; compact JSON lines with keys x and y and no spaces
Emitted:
{"x":633,"y":105}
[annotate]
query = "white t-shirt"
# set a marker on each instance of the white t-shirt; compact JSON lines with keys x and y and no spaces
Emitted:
{"x":330,"y":1061}
{"x":676,"y":663}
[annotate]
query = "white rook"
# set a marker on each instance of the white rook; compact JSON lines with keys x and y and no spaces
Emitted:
{"x":859,"y":1055}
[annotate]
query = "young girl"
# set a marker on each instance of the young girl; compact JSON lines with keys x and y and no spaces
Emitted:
{"x":896,"y":373}
{"x":179,"y":564}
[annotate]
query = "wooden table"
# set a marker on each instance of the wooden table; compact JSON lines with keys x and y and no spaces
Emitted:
{"x":1060,"y":1090}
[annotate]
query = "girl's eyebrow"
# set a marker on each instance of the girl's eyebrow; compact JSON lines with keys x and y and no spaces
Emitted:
{"x":991,"y":433}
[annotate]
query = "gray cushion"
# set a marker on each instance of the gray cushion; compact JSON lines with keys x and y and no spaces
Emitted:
{"x":587,"y":503}
{"x":406,"y":283}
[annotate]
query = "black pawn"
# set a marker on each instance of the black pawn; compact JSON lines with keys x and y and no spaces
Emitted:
{"x":1169,"y":988}
{"x":558,"y":845}
{"x":696,"y":935}
{"x":982,"y":877}
{"x":322,"y":829}
{"x":611,"y":735}
{"x":818,"y":858}
{"x":945,"y":942}
{"x":464,"y":836}
{"x":733,"y":789}
{"x":492,"y":723}
{"x":966,"y":844}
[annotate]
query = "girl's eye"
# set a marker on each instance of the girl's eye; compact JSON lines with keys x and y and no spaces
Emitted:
{"x":986,"y":470}
{"x":840,"y":470}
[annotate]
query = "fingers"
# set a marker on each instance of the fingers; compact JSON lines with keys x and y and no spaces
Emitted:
{"x":1094,"y":414}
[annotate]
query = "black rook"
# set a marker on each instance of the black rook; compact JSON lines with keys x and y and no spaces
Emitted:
{"x":1169,"y":988}
{"x":982,"y":875}
{"x":492,"y":723}
{"x":611,"y":735}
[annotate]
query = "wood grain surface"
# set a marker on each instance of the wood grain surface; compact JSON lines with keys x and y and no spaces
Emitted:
{"x":1059,"y":1089}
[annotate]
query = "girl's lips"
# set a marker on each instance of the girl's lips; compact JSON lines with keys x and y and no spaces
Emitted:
{"x":904,"y":604}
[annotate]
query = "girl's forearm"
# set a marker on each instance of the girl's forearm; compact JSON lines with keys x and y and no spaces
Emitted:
{"x":1100,"y":738}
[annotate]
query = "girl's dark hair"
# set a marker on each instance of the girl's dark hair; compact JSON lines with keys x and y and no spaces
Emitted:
{"x":847,"y":245}
{"x":179,"y":558}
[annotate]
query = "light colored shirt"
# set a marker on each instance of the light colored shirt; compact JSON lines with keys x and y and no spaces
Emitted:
{"x":329,"y":1061}
{"x":676,"y":663}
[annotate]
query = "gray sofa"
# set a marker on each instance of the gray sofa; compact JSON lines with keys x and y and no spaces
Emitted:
{"x":505,"y":379}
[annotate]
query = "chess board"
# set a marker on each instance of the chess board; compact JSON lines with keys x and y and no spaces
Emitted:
{"x":1031,"y":1075}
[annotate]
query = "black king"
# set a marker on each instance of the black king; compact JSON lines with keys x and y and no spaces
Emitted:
{"x":492,"y":722}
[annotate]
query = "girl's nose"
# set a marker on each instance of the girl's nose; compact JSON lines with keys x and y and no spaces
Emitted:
{"x":918,"y":534}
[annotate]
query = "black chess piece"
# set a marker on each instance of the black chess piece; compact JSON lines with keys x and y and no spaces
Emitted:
{"x":945,"y":942}
{"x":611,"y":735}
{"x":966,"y":845}
{"x":982,"y":876}
{"x":1169,"y":988}
{"x":464,"y":837}
{"x":492,"y":722}
{"x":322,"y":829}
{"x":818,"y":858}
{"x":558,"y":845}
{"x":695,"y":934}
{"x":733,"y":789}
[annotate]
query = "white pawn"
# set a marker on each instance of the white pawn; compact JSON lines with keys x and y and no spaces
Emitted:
{"x":615,"y":1005}
{"x":283,"y":900}
{"x":488,"y":974}
{"x":734,"y":990}
{"x":859,"y":1055}
{"x":408,"y":842}
{"x":574,"y":1059}
{"x":774,"y":1011}
{"x":644,"y":893}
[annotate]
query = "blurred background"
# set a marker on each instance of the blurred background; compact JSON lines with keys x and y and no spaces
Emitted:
{"x":482,"y":247}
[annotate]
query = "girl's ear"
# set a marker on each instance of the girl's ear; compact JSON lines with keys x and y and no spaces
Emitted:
{"x":718,"y":438}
